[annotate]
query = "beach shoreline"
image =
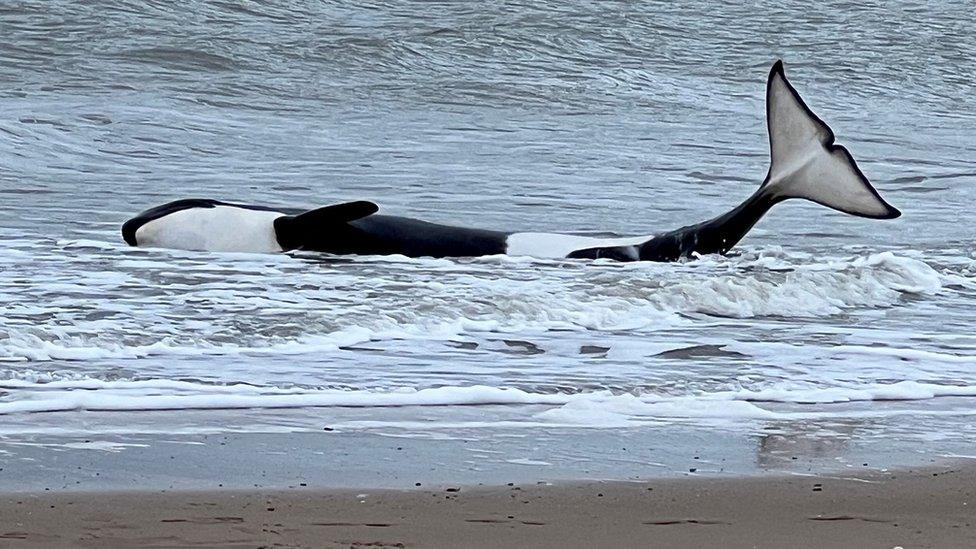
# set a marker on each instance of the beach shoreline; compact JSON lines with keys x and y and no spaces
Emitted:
{"x":917,"y":507}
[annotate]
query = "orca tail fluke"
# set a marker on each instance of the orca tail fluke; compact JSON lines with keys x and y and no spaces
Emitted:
{"x":805,"y":162}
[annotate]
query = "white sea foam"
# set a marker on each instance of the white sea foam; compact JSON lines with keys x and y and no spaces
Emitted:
{"x":161,"y":396}
{"x":903,"y":390}
{"x":590,"y":409}
{"x":323,"y":312}
{"x":540,"y":343}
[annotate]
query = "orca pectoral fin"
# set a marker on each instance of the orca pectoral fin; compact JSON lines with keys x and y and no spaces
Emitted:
{"x":292,"y":231}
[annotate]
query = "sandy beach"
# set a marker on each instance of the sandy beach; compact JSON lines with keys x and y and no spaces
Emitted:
{"x":911,"y":508}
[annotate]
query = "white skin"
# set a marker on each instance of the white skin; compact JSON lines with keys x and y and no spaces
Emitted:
{"x":549,"y":245}
{"x":217,"y":229}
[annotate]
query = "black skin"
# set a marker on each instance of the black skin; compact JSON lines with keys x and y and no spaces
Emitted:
{"x":351,"y":228}
{"x":387,"y":235}
{"x":384,"y":235}
{"x":716,"y":236}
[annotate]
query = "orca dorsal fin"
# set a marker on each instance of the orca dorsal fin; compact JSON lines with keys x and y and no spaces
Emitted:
{"x":293,"y":230}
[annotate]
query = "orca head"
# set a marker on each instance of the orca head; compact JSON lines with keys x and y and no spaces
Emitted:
{"x":130,"y":227}
{"x":212,"y":225}
{"x":205,"y":225}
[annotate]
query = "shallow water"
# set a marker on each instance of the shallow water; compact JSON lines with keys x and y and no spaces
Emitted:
{"x":587,"y":117}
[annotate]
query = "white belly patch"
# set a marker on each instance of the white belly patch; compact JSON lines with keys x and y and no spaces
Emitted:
{"x":217,"y":229}
{"x":548,"y":245}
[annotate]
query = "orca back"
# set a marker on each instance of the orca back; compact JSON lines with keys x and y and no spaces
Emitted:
{"x":388,"y":234}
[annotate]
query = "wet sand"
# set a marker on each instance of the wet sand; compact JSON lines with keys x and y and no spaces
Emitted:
{"x":933,"y":507}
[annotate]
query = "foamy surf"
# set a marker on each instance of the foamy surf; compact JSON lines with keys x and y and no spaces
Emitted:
{"x":287,"y":308}
{"x":602,"y":408}
{"x":406,"y":346}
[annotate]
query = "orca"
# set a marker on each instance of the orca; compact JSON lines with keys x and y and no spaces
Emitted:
{"x":804,"y":163}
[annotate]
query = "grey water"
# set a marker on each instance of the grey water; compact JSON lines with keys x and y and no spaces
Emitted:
{"x":828,"y":333}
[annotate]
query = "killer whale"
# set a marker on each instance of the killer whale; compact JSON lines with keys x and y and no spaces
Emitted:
{"x":804,"y":163}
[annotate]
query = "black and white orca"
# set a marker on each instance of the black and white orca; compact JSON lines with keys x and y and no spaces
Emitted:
{"x":804,"y":163}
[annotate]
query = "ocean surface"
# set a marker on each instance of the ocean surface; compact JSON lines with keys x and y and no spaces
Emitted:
{"x":822,"y":332}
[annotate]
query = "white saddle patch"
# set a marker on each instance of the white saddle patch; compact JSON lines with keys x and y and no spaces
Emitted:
{"x":548,"y":245}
